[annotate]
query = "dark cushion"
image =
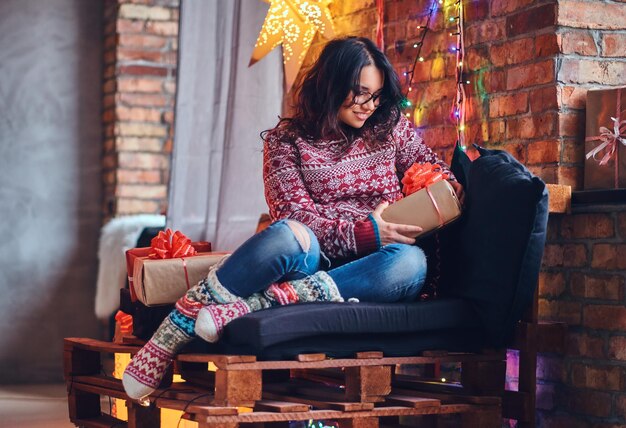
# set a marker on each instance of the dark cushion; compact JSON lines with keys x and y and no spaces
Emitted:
{"x":492,"y":256}
{"x":341,"y":329}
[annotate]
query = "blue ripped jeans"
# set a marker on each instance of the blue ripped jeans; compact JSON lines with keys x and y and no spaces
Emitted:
{"x":289,"y":250}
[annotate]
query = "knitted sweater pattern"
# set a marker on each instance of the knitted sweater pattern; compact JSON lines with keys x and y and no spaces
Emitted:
{"x":332,"y":187}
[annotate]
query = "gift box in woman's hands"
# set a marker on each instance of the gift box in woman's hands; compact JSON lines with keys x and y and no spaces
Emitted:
{"x":430,"y":201}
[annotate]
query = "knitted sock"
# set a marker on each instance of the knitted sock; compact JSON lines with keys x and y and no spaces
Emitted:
{"x":146,"y":369}
{"x":318,"y":287}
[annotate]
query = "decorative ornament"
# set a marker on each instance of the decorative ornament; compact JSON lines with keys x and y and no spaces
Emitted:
{"x":292,"y":23}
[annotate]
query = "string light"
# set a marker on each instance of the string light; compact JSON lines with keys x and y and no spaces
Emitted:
{"x":418,"y":57}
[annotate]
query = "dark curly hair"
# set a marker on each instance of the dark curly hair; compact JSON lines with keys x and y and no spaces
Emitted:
{"x":326,"y":84}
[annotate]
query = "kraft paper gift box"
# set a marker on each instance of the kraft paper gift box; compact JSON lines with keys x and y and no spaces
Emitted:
{"x":163,"y":281}
{"x":605,"y":132}
{"x":431,"y":208}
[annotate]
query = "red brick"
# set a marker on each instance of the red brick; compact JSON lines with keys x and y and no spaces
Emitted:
{"x":583,"y":14}
{"x":614,"y":45}
{"x":606,"y":378}
{"x":551,"y":369}
{"x":169,"y":87}
{"x":609,"y":256}
{"x":137,"y":206}
{"x":595,"y":286}
{"x":134,"y":160}
{"x":546,"y":45}
{"x":130,"y":176}
{"x":578,"y":42}
{"x":562,"y":311}
{"x":494,"y":81}
{"x":617,"y":348}
{"x":525,"y":76}
{"x":139,"y":144}
{"x":546,"y":397}
{"x":590,"y":403}
{"x":620,"y":405}
{"x":143,"y":70}
{"x":605,"y":317}
{"x":141,"y":191}
{"x":504,"y":7}
{"x":508,"y":105}
{"x":162,"y":28}
{"x":572,"y":151}
{"x":477,"y":11}
{"x":574,"y":70}
{"x":140,"y":129}
{"x":551,"y":284}
{"x":570,"y":176}
{"x":109,"y":86}
{"x":138,"y":114}
{"x":141,"y":41}
{"x":560,"y":421}
{"x":544,"y":151}
{"x":543,"y":99}
{"x":537,"y":126}
{"x":147,"y":100}
{"x":497,"y":130}
{"x":512,"y":52}
{"x":137,"y":54}
{"x":568,"y":255}
{"x":585,"y":345}
{"x":554,"y":227}
{"x":587,"y":225}
{"x":129,"y":26}
{"x":477,"y":58}
{"x":531,"y":20}
{"x":621,"y":224}
{"x":485,"y":31}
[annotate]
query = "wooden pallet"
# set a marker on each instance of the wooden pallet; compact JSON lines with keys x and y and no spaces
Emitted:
{"x":355,"y":392}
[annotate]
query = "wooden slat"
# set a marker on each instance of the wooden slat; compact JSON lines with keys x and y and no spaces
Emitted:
{"x":353,"y":362}
{"x":412,"y":401}
{"x":280,"y":406}
{"x":296,"y":397}
{"x":369,"y":354}
{"x":218,"y":360}
{"x":310,"y":357}
{"x":560,"y":198}
{"x":516,"y":405}
{"x":452,"y":398}
{"x":335,"y":414}
{"x":98,"y":345}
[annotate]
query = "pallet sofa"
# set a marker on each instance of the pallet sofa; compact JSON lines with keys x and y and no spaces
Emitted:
{"x":354,"y":363}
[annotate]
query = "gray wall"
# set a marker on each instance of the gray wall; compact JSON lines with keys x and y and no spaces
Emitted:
{"x":50,"y":149}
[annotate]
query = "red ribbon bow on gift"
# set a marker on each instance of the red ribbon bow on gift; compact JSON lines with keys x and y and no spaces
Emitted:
{"x":419,"y":176}
{"x":171,"y":245}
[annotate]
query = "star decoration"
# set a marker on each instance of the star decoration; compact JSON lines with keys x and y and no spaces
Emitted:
{"x":293,"y":23}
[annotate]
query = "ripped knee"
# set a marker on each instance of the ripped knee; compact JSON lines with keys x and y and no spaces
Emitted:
{"x":301,"y":234}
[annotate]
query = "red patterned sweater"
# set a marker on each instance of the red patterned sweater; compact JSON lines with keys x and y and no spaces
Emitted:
{"x":332,"y":188}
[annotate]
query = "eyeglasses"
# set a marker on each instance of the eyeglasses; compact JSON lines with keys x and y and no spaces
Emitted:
{"x":364,"y":97}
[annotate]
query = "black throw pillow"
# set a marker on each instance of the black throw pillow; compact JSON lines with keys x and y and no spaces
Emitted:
{"x":492,"y":255}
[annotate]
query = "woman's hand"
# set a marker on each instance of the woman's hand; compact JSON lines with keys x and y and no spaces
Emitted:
{"x":393,"y":233}
{"x":458,"y":189}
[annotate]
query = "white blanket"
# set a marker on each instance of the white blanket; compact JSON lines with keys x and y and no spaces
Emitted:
{"x":117,"y":236}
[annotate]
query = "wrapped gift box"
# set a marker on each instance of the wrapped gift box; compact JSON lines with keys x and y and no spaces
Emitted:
{"x":430,"y":208}
{"x":163,"y":281}
{"x":603,"y":169}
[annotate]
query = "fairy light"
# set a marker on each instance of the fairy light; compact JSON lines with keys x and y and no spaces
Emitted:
{"x":418,"y":57}
{"x":458,"y":110}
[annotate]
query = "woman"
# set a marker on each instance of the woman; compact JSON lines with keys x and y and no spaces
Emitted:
{"x":329,"y":172}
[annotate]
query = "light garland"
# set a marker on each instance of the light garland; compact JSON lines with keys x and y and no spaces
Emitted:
{"x":293,"y":23}
{"x":458,"y":109}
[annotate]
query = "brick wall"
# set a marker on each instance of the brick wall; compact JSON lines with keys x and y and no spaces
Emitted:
{"x":140,"y":42}
{"x":582,"y":284}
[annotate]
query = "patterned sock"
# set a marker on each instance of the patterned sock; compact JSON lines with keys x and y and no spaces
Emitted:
{"x":147,"y":368}
{"x":318,"y":287}
{"x":145,"y":371}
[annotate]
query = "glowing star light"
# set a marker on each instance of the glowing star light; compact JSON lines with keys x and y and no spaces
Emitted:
{"x":293,"y":23}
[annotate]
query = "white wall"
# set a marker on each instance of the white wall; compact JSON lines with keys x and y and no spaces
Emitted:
{"x":50,"y":149}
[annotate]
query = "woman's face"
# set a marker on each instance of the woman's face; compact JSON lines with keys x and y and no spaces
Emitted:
{"x":355,"y":114}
